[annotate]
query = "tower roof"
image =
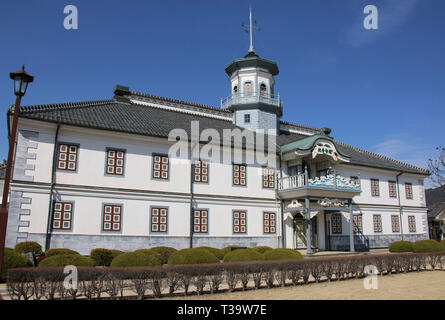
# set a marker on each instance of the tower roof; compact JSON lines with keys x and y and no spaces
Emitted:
{"x":252,"y":60}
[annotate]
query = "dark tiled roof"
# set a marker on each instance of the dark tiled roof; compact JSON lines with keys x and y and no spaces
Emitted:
{"x":435,"y":209}
{"x":145,"y":120}
{"x":435,"y":195}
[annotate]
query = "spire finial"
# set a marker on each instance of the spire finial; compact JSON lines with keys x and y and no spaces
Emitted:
{"x":252,"y":24}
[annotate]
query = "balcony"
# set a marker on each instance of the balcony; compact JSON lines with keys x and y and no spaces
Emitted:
{"x":331,"y":185}
{"x":252,"y":98}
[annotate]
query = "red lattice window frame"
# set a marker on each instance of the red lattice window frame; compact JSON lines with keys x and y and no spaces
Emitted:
{"x":395,"y":223}
{"x":159,"y":219}
{"x":392,"y":189}
{"x":375,"y":191}
{"x":160,"y":167}
{"x":200,"y":221}
{"x":201,"y":171}
{"x":239,"y":175}
{"x":377,"y":220}
{"x":112,"y":217}
{"x":67,"y":157}
{"x":412,"y":223}
{"x":269,"y":221}
{"x":268,"y":178}
{"x":115,"y":162}
{"x":239,"y":222}
{"x":62,"y":215}
{"x":409,"y":190}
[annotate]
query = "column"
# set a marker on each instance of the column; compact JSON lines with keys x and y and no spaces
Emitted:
{"x":308,"y":227}
{"x":351,"y":228}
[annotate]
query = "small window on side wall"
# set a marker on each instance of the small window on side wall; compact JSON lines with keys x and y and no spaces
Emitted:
{"x":247,"y":118}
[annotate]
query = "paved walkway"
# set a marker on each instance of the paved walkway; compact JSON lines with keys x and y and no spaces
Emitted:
{"x":342,"y":253}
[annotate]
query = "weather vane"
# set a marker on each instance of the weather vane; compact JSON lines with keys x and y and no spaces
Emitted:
{"x":250,"y":28}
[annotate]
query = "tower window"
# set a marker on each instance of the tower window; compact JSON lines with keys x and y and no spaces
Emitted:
{"x":247,"y":118}
{"x":235,"y":90}
{"x":248,"y":88}
{"x":263,"y":90}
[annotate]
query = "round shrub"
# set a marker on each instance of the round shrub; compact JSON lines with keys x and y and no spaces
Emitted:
{"x":228,"y":249}
{"x":427,"y":246}
{"x":192,"y":256}
{"x":13,"y":259}
{"x":243,"y":255}
{"x":164,"y":253}
{"x":401,"y":246}
{"x":103,"y":257}
{"x":61,"y":260}
{"x":116,"y":252}
{"x":262,"y":249}
{"x":57,"y":251}
{"x":217,"y":252}
{"x":29,"y":247}
{"x":147,"y":251}
{"x":282,"y":254}
{"x":135,"y":259}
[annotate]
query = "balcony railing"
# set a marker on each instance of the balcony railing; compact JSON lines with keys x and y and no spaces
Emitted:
{"x":254,"y":97}
{"x":330,"y":181}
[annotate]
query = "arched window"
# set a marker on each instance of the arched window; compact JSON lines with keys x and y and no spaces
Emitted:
{"x":235,"y":90}
{"x":263,"y":90}
{"x":247,"y":88}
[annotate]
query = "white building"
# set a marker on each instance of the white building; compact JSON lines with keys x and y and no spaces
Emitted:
{"x":98,"y":174}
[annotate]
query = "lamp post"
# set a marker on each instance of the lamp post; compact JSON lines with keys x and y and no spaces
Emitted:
{"x":21,"y":81}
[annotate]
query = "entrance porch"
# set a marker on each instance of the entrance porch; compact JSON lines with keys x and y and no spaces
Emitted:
{"x":319,"y":226}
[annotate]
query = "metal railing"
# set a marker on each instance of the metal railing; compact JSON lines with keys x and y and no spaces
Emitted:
{"x":253,"y":97}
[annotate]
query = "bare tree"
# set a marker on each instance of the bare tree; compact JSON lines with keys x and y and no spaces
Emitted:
{"x":437,"y":168}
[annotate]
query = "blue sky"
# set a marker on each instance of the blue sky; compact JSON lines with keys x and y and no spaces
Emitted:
{"x":382,"y":90}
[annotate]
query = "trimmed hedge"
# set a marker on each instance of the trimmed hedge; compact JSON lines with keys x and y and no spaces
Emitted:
{"x":57,"y":251}
{"x":103,"y":257}
{"x":192,"y":256}
{"x":427,"y":246}
{"x":13,"y":259}
{"x":262,"y":249}
{"x":243,"y":255}
{"x":282,"y":254}
{"x":135,"y":259}
{"x":156,"y":282}
{"x":62,"y":260}
{"x":401,"y":246}
{"x":217,"y":252}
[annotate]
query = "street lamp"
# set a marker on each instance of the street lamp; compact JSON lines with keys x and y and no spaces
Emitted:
{"x":21,"y":81}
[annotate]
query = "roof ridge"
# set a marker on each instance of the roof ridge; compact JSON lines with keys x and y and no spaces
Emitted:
{"x":147,"y":95}
{"x":59,"y":106}
{"x":299,"y":125}
{"x":383,"y":157}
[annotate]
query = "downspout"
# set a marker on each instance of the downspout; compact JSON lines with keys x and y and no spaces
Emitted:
{"x":191,"y":196}
{"x":283,"y":235}
{"x":400,"y":207}
{"x":51,"y":192}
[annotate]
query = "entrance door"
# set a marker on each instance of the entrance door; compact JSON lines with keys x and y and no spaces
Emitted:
{"x":300,"y":232}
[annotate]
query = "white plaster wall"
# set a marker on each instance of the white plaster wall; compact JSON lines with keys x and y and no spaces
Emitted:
{"x":366,"y":174}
